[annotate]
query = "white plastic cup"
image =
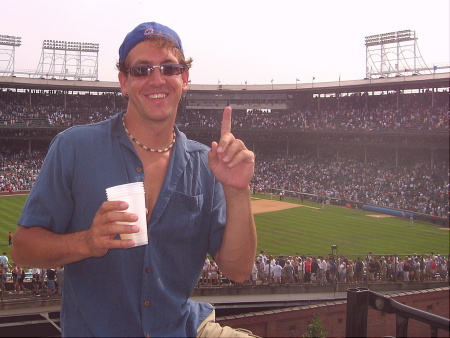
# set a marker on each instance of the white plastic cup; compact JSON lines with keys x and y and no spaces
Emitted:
{"x":134,"y":195}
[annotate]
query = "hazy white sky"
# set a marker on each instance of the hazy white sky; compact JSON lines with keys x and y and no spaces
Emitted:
{"x":236,"y":41}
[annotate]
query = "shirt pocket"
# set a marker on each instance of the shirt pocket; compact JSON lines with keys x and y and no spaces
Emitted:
{"x":182,"y":218}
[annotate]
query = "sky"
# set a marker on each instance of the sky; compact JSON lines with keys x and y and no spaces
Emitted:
{"x":236,"y":42}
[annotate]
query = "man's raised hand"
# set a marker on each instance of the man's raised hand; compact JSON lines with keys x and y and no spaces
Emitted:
{"x":230,"y":160}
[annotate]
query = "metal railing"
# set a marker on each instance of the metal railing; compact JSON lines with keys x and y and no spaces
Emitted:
{"x":359,"y":299}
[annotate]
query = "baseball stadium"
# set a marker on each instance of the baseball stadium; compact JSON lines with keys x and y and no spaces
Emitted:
{"x":345,"y":171}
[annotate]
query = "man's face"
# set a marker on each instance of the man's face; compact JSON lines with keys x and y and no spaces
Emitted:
{"x":156,"y":96}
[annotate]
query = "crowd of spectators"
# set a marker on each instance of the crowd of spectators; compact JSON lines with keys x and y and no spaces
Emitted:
{"x":18,"y":170}
{"x":357,"y":112}
{"x":414,"y":187}
{"x":330,"y":269}
{"x":56,"y":108}
{"x":321,"y":270}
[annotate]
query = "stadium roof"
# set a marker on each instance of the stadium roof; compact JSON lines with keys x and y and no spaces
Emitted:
{"x":438,"y":80}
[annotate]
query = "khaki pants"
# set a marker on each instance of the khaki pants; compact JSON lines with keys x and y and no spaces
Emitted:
{"x":209,"y":328}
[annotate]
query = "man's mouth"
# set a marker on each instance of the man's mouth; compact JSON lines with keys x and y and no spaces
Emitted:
{"x":156,"y":96}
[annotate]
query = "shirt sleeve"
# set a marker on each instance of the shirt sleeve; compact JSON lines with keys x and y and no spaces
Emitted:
{"x":49,"y":204}
{"x":218,"y":219}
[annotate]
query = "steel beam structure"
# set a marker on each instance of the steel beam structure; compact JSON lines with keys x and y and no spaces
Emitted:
{"x":8,"y":46}
{"x":68,"y":60}
{"x":395,"y":54}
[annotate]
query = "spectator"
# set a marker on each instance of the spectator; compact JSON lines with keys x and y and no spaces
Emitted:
{"x":60,"y":279}
{"x":359,"y":270}
{"x":36,"y":281}
{"x":277,"y":269}
{"x":51,"y":274}
{"x":288,"y":273}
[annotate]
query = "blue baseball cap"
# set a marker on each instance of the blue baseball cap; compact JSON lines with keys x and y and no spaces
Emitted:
{"x":145,"y":30}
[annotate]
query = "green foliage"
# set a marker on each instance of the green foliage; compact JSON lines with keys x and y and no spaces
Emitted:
{"x":315,"y":329}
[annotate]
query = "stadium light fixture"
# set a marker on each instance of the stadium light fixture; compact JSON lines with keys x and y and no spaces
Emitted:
{"x":391,"y":37}
{"x":71,"y":46}
{"x":8,"y":40}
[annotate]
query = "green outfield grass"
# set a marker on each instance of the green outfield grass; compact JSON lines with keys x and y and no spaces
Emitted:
{"x":10,"y":208}
{"x":308,"y":229}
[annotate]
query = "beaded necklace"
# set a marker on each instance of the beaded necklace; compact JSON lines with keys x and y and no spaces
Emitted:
{"x":144,"y":146}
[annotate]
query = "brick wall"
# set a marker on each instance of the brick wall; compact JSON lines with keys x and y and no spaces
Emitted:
{"x":292,"y":322}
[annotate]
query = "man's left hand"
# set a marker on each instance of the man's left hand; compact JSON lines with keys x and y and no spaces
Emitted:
{"x":230,"y":160}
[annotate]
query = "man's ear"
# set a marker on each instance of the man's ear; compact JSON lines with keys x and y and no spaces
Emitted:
{"x":185,"y":77}
{"x":123,"y":82}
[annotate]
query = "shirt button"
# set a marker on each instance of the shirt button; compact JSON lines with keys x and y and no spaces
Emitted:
{"x":138,"y":169}
{"x":148,"y":269}
{"x":146,"y":303}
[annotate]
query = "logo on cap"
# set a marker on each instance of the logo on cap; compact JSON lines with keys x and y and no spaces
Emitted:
{"x":149,"y":31}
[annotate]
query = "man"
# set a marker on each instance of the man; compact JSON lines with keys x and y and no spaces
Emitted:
{"x":60,"y":279}
{"x":268,"y":272}
{"x":4,"y":264}
{"x":198,"y":202}
{"x":307,"y":274}
{"x":372,"y":268}
{"x":359,"y":270}
{"x":263,"y":256}
{"x":277,"y":269}
{"x":314,"y":271}
{"x":35,"y":282}
{"x":322,"y":270}
{"x":288,"y":272}
{"x":51,"y":274}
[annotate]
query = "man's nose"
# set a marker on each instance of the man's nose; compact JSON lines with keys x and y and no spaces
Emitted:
{"x":157,"y":76}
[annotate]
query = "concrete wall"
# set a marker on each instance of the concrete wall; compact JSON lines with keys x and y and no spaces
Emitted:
{"x":292,"y":322}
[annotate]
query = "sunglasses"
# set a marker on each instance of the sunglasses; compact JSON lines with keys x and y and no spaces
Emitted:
{"x":166,"y":70}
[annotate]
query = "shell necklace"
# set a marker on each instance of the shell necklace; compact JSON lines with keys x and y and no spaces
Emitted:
{"x":144,"y":146}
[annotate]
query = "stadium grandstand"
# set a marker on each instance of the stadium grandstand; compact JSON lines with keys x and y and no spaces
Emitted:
{"x":381,"y":141}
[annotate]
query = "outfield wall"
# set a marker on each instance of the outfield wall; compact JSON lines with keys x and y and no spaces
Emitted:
{"x":443,"y":221}
{"x":388,"y":211}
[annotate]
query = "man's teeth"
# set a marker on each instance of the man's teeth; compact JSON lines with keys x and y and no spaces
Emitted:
{"x":156,"y":96}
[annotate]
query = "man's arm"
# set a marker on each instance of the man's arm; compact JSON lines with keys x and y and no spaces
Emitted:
{"x":233,"y":165}
{"x":39,"y":247}
{"x":237,"y":252}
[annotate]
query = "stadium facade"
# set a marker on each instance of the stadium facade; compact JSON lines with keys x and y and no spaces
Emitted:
{"x":270,"y":101}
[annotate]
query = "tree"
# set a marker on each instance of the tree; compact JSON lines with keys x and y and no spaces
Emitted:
{"x":315,"y":329}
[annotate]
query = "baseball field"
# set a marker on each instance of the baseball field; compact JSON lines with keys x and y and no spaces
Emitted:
{"x":289,"y":227}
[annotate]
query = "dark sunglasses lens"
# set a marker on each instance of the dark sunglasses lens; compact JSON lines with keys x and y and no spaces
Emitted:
{"x":140,"y":71}
{"x":169,"y":70}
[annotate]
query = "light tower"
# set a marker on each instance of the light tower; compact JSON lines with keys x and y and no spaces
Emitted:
{"x":64,"y":59}
{"x":394,"y":54}
{"x":8,"y":46}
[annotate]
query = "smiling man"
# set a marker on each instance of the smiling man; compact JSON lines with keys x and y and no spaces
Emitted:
{"x":198,"y":203}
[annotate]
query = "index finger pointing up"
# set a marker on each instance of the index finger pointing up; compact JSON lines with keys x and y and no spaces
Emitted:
{"x":226,"y":121}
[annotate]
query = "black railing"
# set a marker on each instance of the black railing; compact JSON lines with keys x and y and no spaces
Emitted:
{"x":359,"y":299}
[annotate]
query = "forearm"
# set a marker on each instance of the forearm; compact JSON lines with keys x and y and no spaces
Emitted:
{"x":39,"y":247}
{"x":237,"y":252}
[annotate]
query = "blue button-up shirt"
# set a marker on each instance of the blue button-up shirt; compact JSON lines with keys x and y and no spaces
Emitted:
{"x":142,"y":290}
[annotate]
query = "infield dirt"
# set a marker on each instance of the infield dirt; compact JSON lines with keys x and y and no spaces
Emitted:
{"x":261,"y":205}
